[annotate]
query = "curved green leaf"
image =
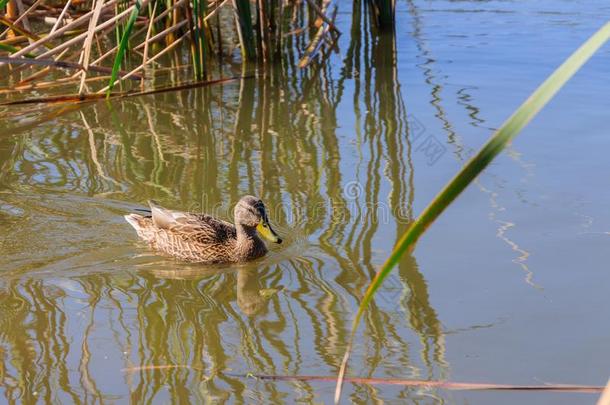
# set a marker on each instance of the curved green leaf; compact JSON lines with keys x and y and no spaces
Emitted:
{"x":13,"y":49}
{"x":520,"y":118}
{"x":118,"y":59}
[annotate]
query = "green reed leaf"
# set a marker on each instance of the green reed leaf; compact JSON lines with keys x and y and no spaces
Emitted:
{"x":118,"y":59}
{"x":520,"y":118}
{"x":9,"y":48}
{"x":245,"y":29}
{"x":199,"y":38}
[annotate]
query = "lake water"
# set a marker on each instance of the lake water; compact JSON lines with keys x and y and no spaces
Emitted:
{"x":511,"y":285}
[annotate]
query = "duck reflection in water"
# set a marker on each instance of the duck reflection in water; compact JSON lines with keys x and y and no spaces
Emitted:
{"x":252,"y":298}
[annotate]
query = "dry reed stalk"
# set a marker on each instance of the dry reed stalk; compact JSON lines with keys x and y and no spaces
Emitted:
{"x":164,"y":51}
{"x":316,"y":43}
{"x":24,"y":21}
{"x":61,"y":64}
{"x":175,"y":18}
{"x":321,"y":14}
{"x":216,"y":9}
{"x":61,"y":16}
{"x":264,"y":29}
{"x":240,"y":35}
{"x":296,"y":31}
{"x":147,"y":39}
{"x":14,"y":40}
{"x":25,"y":13}
{"x":47,"y":85}
{"x":20,"y":30}
{"x":41,"y":73}
{"x":155,"y":20}
{"x":87,"y":45}
{"x":107,"y":24}
{"x":12,"y":13}
{"x":76,"y":23}
{"x":162,"y":34}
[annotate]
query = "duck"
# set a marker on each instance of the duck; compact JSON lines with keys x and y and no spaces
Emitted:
{"x":204,"y":239}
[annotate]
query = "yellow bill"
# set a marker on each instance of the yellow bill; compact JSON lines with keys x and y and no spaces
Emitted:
{"x":267,"y":232}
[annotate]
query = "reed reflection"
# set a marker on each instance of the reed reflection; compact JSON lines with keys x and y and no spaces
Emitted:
{"x":181,"y":332}
{"x":372,"y":57}
{"x":463,"y":151}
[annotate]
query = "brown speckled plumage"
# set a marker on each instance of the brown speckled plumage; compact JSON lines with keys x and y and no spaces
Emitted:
{"x":203,"y":238}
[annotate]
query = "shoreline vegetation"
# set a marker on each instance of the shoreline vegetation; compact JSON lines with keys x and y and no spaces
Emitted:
{"x":95,"y":45}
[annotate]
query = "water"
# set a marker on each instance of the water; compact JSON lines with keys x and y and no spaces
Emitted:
{"x":509,"y":286}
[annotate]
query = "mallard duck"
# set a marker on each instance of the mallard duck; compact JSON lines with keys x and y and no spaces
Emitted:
{"x":203,"y":238}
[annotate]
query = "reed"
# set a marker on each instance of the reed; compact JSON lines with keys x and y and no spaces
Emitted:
{"x":199,"y":38}
{"x":243,"y":15}
{"x":123,"y":31}
{"x":123,"y":46}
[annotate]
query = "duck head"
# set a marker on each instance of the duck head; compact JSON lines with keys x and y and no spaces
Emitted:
{"x":250,"y":212}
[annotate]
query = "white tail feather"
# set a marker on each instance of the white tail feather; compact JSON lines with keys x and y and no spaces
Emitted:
{"x":134,"y":220}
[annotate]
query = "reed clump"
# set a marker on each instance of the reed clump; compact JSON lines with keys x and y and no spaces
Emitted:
{"x":96,"y":44}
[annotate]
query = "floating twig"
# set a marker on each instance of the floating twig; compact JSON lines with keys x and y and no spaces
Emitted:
{"x":75,"y":98}
{"x":69,"y":98}
{"x":449,"y":385}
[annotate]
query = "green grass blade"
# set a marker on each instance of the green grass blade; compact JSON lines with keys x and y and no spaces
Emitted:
{"x":199,"y":39}
{"x":8,"y":48}
{"x":520,"y":118}
{"x":12,"y":49}
{"x":3,"y":4}
{"x":123,"y":46}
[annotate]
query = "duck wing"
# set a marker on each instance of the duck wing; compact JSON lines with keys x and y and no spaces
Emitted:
{"x":222,"y":230}
{"x":201,"y":228}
